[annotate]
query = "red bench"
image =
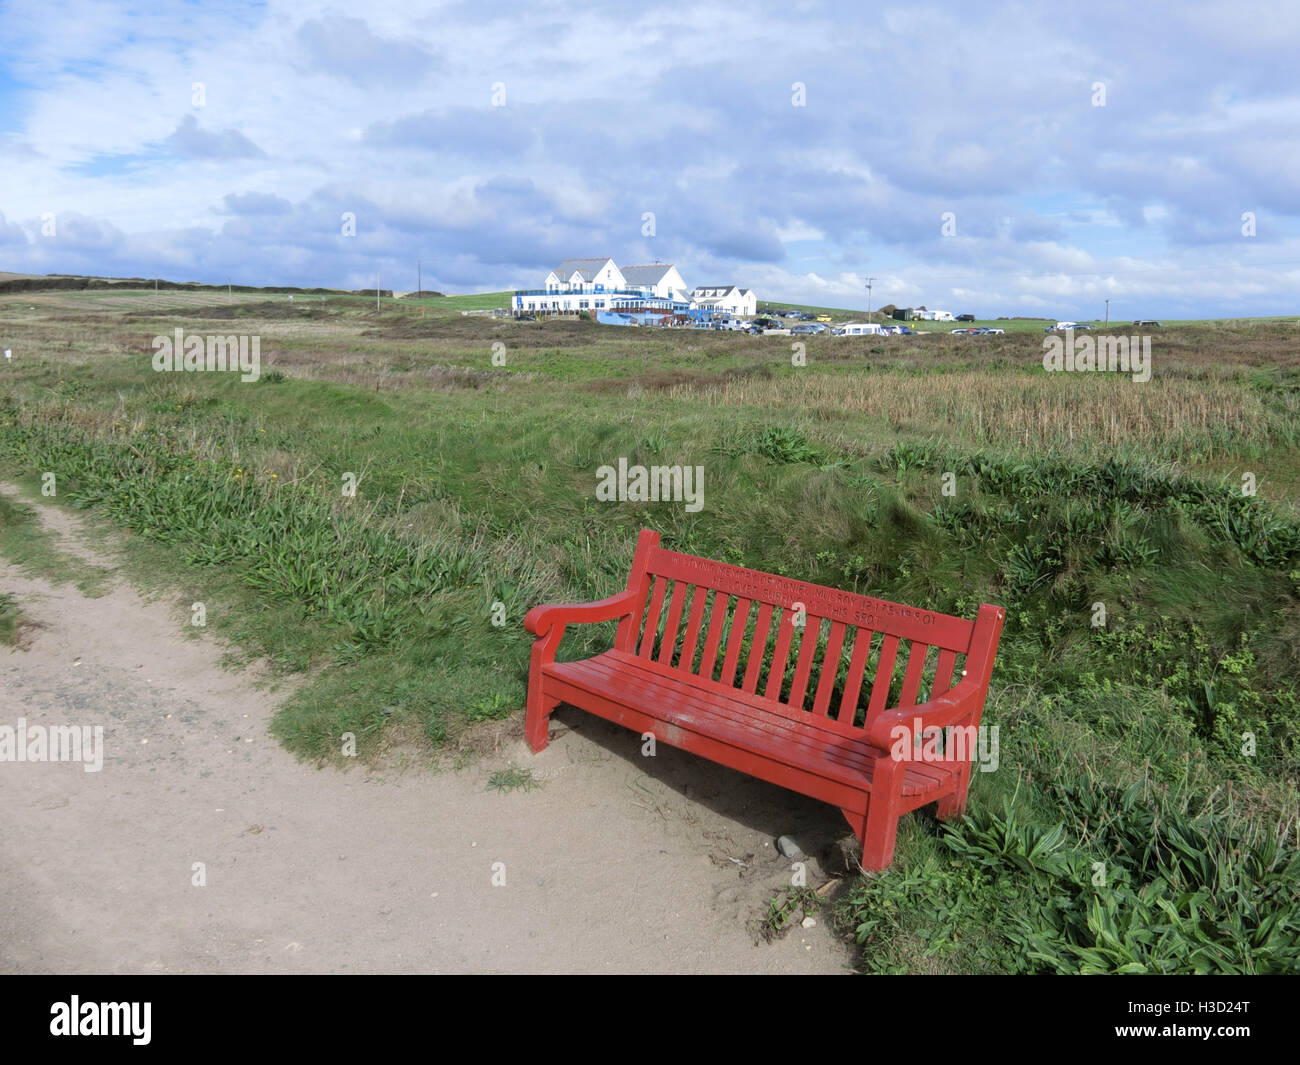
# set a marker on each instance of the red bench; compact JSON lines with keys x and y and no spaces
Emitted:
{"x":778,"y":722}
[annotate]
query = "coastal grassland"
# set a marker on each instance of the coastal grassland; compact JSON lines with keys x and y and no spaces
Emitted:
{"x":1160,"y":745}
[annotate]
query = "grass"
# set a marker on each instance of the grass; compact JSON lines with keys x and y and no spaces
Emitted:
{"x":26,"y":543}
{"x":512,"y":779}
{"x":10,"y":619}
{"x":475,"y":499}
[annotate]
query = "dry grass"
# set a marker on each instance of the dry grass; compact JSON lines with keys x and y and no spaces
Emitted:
{"x":1096,"y":412}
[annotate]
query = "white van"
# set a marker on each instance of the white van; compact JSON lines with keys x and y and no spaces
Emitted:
{"x":855,"y":329}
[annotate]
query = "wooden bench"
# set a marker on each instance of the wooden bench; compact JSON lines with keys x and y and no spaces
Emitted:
{"x":801,"y":721}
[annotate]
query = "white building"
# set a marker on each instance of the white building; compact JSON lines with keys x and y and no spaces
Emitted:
{"x":727,"y":298}
{"x":661,"y":278}
{"x":599,"y":284}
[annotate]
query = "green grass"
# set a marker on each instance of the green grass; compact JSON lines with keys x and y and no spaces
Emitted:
{"x":9,"y":619}
{"x":476,"y":487}
{"x":512,"y":778}
{"x":26,"y":543}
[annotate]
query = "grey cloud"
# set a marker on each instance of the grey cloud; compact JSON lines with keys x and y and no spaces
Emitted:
{"x":189,"y":139}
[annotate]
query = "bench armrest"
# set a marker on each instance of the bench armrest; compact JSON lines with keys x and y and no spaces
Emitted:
{"x":950,"y":708}
{"x":541,"y":619}
{"x":963,"y":699}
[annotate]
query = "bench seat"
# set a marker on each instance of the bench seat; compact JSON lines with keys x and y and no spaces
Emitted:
{"x":696,"y":712}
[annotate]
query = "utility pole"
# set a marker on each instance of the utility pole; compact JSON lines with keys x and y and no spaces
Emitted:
{"x":376,"y":293}
{"x":869,"y":280}
{"x":419,"y":280}
{"x":1108,"y":312}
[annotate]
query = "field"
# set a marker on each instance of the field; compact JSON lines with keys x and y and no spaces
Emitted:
{"x":1144,"y":814}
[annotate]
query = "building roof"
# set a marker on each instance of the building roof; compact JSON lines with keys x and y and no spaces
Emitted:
{"x":588,"y":267}
{"x":646,"y":275}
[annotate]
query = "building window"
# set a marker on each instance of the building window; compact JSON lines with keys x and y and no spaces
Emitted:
{"x":600,"y":304}
{"x":583,"y":304}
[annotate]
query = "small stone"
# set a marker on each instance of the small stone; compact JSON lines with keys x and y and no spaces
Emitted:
{"x":788,"y":847}
{"x":809,"y":922}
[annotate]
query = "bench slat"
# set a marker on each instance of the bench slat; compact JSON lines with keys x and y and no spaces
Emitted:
{"x":943,"y":673}
{"x":912,"y":678}
{"x":808,"y":641}
{"x":738,"y":622}
{"x":669,"y":644}
{"x":780,"y":655}
{"x":884,"y":677}
{"x":698,"y":597}
{"x":830,"y":666}
{"x":652,"y":617}
{"x":757,"y":646}
{"x":716,"y":620}
{"x":853,"y":683}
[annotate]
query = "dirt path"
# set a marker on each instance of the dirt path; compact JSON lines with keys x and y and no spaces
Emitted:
{"x":617,"y":864}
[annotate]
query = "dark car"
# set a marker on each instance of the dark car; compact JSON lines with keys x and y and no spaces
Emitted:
{"x":524,"y":318}
{"x":965,"y":318}
{"x":767,"y":323}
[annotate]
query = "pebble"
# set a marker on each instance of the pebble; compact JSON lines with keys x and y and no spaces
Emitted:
{"x":788,"y":847}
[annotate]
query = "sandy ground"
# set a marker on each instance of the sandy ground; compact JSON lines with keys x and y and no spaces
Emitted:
{"x":617,"y":864}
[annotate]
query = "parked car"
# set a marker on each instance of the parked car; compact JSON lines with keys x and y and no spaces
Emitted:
{"x":1147,"y":323}
{"x":904,"y":331}
{"x":963,"y":331}
{"x":990,"y":331}
{"x":808,"y":329}
{"x":524,"y":318}
{"x":824,"y":318}
{"x":1079,"y":327}
{"x":767,"y":323}
{"x":965,"y":318}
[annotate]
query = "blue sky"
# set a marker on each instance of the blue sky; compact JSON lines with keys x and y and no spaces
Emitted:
{"x":993,"y":158}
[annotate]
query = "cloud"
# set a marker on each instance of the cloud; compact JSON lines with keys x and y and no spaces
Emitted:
{"x":189,"y":139}
{"x":345,"y":48}
{"x":256,"y":203}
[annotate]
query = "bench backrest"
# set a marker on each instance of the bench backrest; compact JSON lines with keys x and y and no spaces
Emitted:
{"x":852,"y":657}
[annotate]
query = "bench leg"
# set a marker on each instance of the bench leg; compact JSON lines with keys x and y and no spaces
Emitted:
{"x":953,"y":806}
{"x":537,"y":721}
{"x":880,"y":827}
